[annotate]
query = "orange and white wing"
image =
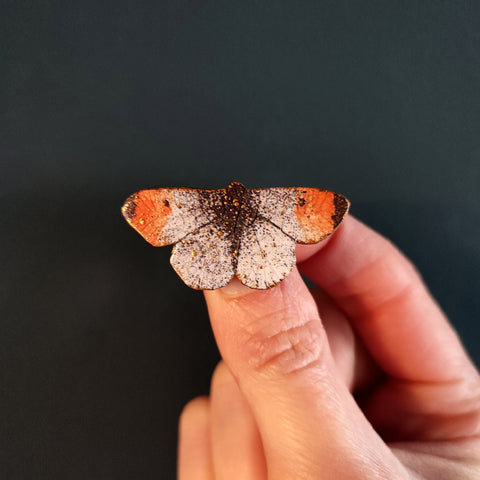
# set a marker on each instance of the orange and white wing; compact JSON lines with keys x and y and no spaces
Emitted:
{"x":166,"y":215}
{"x":308,"y":215}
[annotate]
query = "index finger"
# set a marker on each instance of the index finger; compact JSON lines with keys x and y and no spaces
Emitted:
{"x":387,"y":302}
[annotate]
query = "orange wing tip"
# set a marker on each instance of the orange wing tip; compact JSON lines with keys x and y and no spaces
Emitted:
{"x":147,"y":212}
{"x":319,"y":213}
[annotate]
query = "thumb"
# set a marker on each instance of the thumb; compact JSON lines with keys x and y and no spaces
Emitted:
{"x":274,"y":343}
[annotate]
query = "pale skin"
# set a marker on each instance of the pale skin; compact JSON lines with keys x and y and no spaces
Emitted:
{"x":363,"y":378}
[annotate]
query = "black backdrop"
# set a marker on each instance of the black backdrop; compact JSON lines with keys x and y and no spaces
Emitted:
{"x":100,"y":342}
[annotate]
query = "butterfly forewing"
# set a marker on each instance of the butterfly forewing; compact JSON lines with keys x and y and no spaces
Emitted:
{"x":308,"y":215}
{"x":166,"y":215}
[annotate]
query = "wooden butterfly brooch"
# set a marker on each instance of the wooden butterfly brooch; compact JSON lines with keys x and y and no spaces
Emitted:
{"x":250,"y":233}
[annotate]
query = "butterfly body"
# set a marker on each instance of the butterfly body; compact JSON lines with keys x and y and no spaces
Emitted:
{"x":250,"y":233}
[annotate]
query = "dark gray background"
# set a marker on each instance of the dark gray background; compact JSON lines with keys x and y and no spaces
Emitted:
{"x":100,"y":342}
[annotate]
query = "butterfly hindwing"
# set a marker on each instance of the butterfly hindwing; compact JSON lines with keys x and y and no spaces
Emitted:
{"x":204,"y":259}
{"x":266,"y":255}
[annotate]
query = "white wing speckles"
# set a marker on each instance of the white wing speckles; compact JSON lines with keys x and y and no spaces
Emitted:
{"x":278,"y":206}
{"x":204,"y":259}
{"x":265,"y":256}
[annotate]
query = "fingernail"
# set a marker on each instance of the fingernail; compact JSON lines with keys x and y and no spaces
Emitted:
{"x":236,"y":289}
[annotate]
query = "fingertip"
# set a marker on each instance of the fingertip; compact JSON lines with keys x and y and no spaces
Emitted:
{"x":194,"y":441}
{"x":194,"y":413}
{"x":236,"y":443}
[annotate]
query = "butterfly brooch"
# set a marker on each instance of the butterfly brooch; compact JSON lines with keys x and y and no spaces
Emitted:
{"x":250,"y":233}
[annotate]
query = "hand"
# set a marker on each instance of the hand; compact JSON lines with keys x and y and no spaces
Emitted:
{"x":362,"y":379}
